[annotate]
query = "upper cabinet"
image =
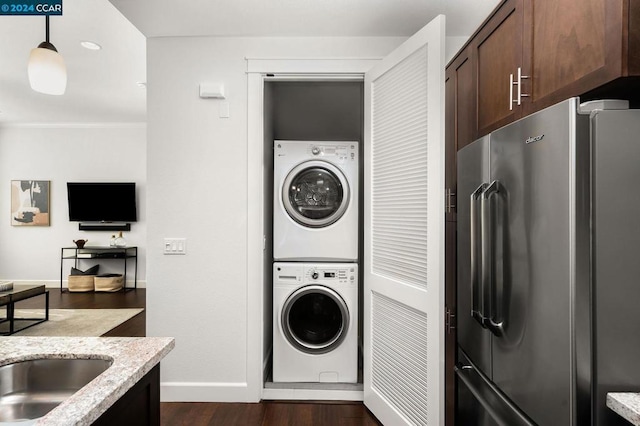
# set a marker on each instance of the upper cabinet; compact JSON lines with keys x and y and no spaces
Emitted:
{"x":460,"y":112}
{"x":573,"y":46}
{"x":530,"y":54}
{"x":497,"y":51}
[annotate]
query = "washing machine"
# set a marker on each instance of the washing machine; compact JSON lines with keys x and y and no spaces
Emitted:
{"x":315,"y":214}
{"x":315,"y":322}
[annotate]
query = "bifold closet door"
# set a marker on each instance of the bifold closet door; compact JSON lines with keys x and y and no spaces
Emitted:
{"x":404,"y":232}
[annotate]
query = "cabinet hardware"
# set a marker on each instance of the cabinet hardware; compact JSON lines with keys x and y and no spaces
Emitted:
{"x":450,"y":321}
{"x":450,"y":204}
{"x":517,"y":83}
{"x":511,"y":83}
{"x":520,"y":78}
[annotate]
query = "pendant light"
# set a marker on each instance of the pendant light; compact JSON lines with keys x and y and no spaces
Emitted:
{"x":47,"y":71}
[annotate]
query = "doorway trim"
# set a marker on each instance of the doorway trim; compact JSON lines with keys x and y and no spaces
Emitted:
{"x":257,"y":70}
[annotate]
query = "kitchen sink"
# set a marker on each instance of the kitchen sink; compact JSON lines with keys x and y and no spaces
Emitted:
{"x":30,"y":389}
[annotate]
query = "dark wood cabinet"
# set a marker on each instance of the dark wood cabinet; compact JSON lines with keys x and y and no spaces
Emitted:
{"x":530,"y":54}
{"x":450,"y":149}
{"x":460,"y":92}
{"x":450,"y":185}
{"x":571,"y":47}
{"x":460,"y":124}
{"x":140,"y":406}
{"x":450,"y":322}
{"x":497,"y":51}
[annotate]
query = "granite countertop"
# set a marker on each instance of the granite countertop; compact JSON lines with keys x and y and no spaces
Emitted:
{"x":626,"y":404}
{"x":133,"y":357}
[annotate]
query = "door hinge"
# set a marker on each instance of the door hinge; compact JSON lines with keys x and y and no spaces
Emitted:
{"x":449,"y":321}
{"x":450,"y":201}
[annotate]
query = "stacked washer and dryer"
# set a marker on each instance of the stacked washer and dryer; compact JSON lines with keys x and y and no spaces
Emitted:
{"x":315,"y":270}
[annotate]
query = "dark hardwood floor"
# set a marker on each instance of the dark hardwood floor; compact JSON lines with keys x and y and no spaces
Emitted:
{"x":268,"y":413}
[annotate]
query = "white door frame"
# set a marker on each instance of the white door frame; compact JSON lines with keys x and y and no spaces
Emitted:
{"x":257,"y":70}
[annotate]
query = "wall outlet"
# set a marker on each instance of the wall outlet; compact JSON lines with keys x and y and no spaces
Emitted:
{"x":175,"y":246}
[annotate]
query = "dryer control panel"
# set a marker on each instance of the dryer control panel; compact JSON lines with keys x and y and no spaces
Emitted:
{"x":341,"y":151}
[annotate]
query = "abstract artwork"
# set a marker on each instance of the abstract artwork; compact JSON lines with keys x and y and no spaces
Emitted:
{"x":30,"y":202}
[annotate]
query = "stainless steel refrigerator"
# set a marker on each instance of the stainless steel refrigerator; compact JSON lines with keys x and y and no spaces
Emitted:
{"x":549,"y":267}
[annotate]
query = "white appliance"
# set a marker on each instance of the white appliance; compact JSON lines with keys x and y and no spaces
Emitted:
{"x":315,"y":214}
{"x":315,"y":322}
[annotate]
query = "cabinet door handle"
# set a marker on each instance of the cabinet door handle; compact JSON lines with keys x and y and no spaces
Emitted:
{"x":516,"y":82}
{"x":511,"y":83}
{"x":520,"y":78}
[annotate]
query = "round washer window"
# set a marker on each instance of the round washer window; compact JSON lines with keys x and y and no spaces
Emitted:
{"x":315,"y":319}
{"x":315,"y":194}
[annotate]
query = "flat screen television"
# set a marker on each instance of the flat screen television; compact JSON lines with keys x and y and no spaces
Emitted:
{"x":102,"y":201}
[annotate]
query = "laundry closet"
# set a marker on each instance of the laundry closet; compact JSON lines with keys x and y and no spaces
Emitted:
{"x":313,"y":139}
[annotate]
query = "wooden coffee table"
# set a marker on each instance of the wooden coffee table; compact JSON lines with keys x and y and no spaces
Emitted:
{"x":9,"y":299}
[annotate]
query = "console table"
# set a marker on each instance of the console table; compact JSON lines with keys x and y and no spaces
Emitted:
{"x":99,"y":253}
{"x":17,"y":293}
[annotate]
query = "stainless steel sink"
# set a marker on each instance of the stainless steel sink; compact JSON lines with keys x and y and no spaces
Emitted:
{"x":30,"y":389}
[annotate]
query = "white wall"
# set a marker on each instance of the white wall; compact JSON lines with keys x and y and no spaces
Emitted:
{"x":197,"y":189}
{"x":62,"y":154}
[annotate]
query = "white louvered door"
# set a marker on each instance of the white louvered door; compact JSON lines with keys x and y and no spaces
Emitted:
{"x":404,"y":232}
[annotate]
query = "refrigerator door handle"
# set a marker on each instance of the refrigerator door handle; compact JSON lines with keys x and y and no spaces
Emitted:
{"x":476,"y":290}
{"x":490,"y":302}
{"x":501,"y":409}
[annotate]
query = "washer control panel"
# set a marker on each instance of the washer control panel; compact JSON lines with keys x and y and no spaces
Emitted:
{"x":297,"y":273}
{"x":328,"y":274}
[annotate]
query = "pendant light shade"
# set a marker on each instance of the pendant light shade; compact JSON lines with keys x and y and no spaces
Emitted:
{"x":47,"y":70}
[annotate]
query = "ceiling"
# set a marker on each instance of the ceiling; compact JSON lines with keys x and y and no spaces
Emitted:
{"x":103,"y":86}
{"x":324,"y":18}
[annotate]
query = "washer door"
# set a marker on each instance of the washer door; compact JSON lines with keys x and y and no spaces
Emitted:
{"x":315,"y":319}
{"x":315,"y":194}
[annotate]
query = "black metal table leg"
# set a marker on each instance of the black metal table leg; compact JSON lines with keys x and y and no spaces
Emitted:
{"x":10,"y":314}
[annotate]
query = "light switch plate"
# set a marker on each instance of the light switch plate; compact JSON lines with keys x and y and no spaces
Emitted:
{"x":224,"y":110}
{"x":175,"y":246}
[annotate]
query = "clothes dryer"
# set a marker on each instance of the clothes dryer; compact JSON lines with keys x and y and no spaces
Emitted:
{"x":315,"y":214}
{"x":315,"y":322}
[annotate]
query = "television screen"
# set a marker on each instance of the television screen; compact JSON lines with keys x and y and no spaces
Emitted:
{"x":102,"y":202}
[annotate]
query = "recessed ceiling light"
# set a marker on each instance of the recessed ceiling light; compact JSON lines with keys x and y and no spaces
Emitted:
{"x":141,"y":84}
{"x":90,"y":45}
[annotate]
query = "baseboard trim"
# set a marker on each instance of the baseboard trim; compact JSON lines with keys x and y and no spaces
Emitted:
{"x":239,"y":392}
{"x":56,"y":283}
{"x":204,"y":392}
{"x":312,"y":394}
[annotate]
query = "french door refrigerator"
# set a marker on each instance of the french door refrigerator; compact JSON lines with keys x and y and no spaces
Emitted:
{"x":549,"y":267}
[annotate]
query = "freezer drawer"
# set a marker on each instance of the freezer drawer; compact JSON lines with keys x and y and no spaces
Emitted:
{"x":479,"y":401}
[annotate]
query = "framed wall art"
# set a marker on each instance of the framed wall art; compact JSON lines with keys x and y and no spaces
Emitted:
{"x":30,"y":202}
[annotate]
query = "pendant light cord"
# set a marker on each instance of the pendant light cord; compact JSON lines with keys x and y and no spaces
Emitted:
{"x":46,"y":25}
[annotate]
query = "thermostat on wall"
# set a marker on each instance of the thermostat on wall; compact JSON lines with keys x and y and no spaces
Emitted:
{"x":212,"y":90}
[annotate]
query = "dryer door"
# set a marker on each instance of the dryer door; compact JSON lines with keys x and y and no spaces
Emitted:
{"x":315,"y":319}
{"x":315,"y":194}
